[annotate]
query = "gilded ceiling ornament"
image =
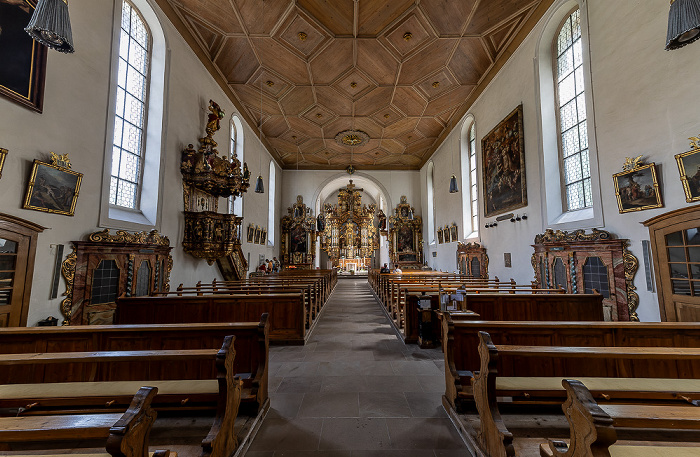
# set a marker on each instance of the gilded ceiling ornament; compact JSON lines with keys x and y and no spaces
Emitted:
{"x":352,"y":138}
{"x":270,"y":83}
{"x":436,"y":84}
{"x":632,"y":163}
{"x":353,"y":84}
{"x":407,"y":36}
{"x":302,"y":36}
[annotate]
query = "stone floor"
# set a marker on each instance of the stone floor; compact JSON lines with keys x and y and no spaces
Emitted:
{"x":355,"y":390}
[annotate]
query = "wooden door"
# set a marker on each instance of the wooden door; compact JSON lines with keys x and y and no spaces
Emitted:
{"x":14,"y":250}
{"x":675,"y":240}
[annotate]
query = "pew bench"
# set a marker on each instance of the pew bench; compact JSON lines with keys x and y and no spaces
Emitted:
{"x":593,"y":426}
{"x":126,"y":434}
{"x":225,"y":390}
{"x":490,"y":389}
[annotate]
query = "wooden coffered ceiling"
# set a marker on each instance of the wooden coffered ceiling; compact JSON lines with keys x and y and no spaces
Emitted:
{"x":403,"y":71}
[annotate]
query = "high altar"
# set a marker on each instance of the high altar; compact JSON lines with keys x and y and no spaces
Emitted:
{"x":350,"y":237}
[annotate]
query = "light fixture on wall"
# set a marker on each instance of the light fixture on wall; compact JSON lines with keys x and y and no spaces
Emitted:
{"x":683,"y":23}
{"x":50,"y":25}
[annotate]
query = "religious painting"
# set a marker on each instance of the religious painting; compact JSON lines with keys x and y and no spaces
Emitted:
{"x":52,"y":189}
{"x":256,"y":237}
{"x":297,"y":240}
{"x":3,"y":154}
{"x":250,"y":236}
{"x":263,"y":236}
{"x":503,"y":164}
{"x":637,"y":188}
{"x":689,"y":168}
{"x":405,"y":239}
{"x":23,"y":67}
{"x":453,"y":233}
{"x":440,"y":236}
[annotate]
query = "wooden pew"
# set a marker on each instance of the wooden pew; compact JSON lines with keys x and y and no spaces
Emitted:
{"x":461,"y":341}
{"x":126,"y":433}
{"x":593,"y":426}
{"x":286,"y":311}
{"x":654,"y":385}
{"x":221,"y":439}
{"x":250,"y":363}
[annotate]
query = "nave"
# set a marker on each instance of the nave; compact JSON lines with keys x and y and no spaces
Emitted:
{"x":355,"y":390}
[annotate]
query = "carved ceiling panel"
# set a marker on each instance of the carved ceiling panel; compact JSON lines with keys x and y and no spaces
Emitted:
{"x":402,"y":71}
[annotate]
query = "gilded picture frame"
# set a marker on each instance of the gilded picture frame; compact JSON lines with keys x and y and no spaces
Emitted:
{"x":3,"y":155}
{"x":440,"y":236}
{"x":689,"y":169}
{"x":263,"y":237}
{"x":251,"y":233}
{"x":258,"y":232}
{"x":637,"y":188}
{"x":503,"y":165}
{"x":52,"y":189}
{"x":23,"y":69}
{"x":453,"y":233}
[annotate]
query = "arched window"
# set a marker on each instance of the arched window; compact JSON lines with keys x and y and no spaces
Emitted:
{"x":470,"y":185}
{"x":271,"y":205}
{"x":431,"y":203}
{"x":131,"y":109}
{"x":571,"y":189}
{"x":571,"y":119}
{"x":132,"y":171}
{"x":236,"y":149}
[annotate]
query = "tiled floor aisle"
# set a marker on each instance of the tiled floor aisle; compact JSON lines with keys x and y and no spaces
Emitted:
{"x":356,"y":390}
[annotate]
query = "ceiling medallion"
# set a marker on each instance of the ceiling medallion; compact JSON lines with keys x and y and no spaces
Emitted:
{"x":270,"y":83}
{"x":407,"y":36}
{"x":353,"y":84}
{"x":352,"y":138}
{"x":302,"y":36}
{"x":436,"y":84}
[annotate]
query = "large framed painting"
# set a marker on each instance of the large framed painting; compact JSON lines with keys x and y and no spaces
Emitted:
{"x":636,"y":187}
{"x":258,"y":232}
{"x":251,"y":233}
{"x":23,"y":67}
{"x":298,"y":242}
{"x":453,"y":233}
{"x":503,"y":165}
{"x":689,"y":168}
{"x":263,"y":236}
{"x":52,"y":189}
{"x":440,"y":236}
{"x":405,"y":239}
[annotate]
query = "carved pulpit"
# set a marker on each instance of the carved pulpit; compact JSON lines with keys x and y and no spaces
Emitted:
{"x":350,"y":237}
{"x":298,"y":247}
{"x":472,"y":260}
{"x":406,"y":237}
{"x":582,"y":263}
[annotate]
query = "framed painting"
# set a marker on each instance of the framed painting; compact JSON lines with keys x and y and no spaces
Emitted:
{"x":258,"y":232}
{"x":3,"y":154}
{"x":636,"y":187}
{"x":441,"y":238}
{"x":251,"y":233}
{"x":298,"y":242}
{"x":503,"y":165}
{"x":263,"y":236}
{"x":689,"y":168}
{"x":453,"y":233}
{"x":23,"y":68}
{"x":52,"y":188}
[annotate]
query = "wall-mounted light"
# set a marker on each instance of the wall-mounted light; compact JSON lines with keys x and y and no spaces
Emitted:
{"x":683,"y":23}
{"x":259,"y":186}
{"x":453,"y":185}
{"x":50,"y":25}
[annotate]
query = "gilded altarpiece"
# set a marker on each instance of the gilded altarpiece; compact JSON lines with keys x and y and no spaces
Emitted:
{"x":581,"y":263}
{"x":350,"y":237}
{"x":472,"y":260}
{"x":298,"y":247}
{"x":405,"y":237}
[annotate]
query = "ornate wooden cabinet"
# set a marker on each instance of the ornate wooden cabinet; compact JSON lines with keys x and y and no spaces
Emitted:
{"x":18,"y":240}
{"x":107,"y":266}
{"x":581,"y":263}
{"x":298,"y":247}
{"x":472,"y":260}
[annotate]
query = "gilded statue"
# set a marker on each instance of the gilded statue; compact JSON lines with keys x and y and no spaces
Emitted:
{"x":215,"y":116}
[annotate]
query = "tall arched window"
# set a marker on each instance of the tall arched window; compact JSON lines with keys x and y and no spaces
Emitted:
{"x":572,"y":119}
{"x":131,"y":109}
{"x":431,"y":203}
{"x":133,"y":154}
{"x":470,"y":195}
{"x":271,"y":205}
{"x":236,"y":149}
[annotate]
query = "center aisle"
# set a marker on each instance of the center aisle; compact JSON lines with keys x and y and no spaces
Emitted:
{"x":355,"y":389}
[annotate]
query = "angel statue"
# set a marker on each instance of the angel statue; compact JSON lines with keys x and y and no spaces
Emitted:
{"x":216,"y":115}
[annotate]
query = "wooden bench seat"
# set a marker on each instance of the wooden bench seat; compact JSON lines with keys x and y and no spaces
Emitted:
{"x":126,"y":434}
{"x":593,"y":426}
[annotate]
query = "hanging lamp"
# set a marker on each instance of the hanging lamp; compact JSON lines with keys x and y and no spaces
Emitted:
{"x":50,"y":25}
{"x":683,"y":23}
{"x":453,"y":185}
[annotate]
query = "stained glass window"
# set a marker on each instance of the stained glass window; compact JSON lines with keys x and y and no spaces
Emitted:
{"x":576,"y":170}
{"x":131,"y":108}
{"x":470,"y":198}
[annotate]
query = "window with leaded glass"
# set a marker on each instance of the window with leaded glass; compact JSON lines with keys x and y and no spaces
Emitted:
{"x":236,"y":203}
{"x":476,"y":268}
{"x":472,"y":179}
{"x":131,"y":107}
{"x":105,"y":282}
{"x":595,"y":277}
{"x":572,"y":118}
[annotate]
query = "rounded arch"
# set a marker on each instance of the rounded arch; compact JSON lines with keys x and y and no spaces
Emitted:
{"x":360,"y":179}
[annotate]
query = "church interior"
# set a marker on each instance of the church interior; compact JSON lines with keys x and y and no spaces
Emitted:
{"x":426,"y":228}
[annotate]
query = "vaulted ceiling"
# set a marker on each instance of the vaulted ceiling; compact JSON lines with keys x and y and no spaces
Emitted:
{"x":402,"y":71}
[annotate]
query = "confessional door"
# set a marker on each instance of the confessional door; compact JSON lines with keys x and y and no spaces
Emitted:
{"x":14,"y":248}
{"x":675,"y":240}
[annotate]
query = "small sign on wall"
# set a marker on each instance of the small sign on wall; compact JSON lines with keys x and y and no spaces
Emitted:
{"x":434,"y":254}
{"x":507,"y":259}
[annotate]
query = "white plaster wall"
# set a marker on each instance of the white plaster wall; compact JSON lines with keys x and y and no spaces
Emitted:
{"x":74,"y":121}
{"x":644,"y":102}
